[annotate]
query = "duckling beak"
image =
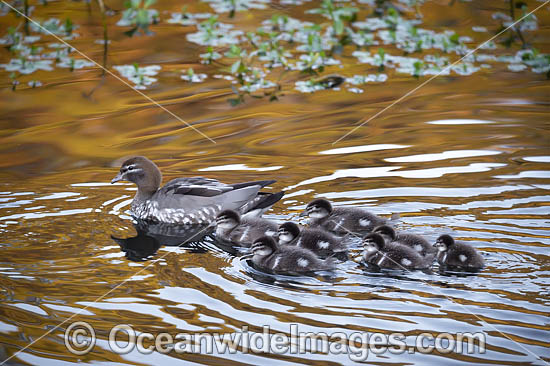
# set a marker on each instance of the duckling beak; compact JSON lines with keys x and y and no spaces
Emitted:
{"x":118,"y":177}
{"x":304,"y":213}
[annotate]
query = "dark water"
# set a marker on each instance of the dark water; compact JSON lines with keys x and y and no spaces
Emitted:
{"x":464,"y":155}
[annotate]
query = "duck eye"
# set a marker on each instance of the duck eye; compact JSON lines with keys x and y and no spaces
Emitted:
{"x":131,"y":167}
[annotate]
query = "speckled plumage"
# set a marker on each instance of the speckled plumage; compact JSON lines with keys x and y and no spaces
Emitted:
{"x":456,"y":254}
{"x":187,"y":201}
{"x":392,"y":255}
{"x":267,"y":255}
{"x":341,"y":220}
{"x":319,"y":241}
{"x":242,"y":231}
{"x":413,"y":241}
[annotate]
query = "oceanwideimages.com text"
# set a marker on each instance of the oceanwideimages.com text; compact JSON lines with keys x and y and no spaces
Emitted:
{"x":80,"y":339}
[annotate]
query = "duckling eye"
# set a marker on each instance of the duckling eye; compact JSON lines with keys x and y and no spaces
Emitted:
{"x":131,"y":167}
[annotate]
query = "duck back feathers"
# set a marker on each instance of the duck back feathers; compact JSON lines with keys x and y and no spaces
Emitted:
{"x":343,"y":220}
{"x":320,"y":242}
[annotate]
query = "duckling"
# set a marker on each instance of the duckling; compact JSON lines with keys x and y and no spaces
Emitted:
{"x":341,"y":220}
{"x":242,"y":231}
{"x":318,"y":241}
{"x":195,"y":200}
{"x":267,"y":255}
{"x":453,"y":253}
{"x":390,"y":255}
{"x":413,"y":241}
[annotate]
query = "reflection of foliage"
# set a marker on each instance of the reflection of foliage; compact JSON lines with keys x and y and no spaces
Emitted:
{"x":140,"y":76}
{"x":138,"y":15}
{"x":232,"y":6}
{"x":192,"y":77}
{"x":55,"y":26}
{"x":338,"y":15}
{"x":210,"y":55}
{"x":383,"y":35}
{"x":213,"y":33}
{"x":250,"y":78}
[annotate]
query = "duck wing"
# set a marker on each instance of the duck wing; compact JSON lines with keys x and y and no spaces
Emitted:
{"x":207,"y":187}
{"x":204,"y":197}
{"x":196,"y":186}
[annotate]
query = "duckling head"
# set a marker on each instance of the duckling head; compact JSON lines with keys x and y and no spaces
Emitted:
{"x":373,"y":243}
{"x":387,"y":232}
{"x":288,"y":232}
{"x":227,"y":219}
{"x":317,"y":209}
{"x":444,"y":242}
{"x":141,"y":171}
{"x":263,"y":247}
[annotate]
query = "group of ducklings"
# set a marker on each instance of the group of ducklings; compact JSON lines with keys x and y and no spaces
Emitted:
{"x":289,"y":248}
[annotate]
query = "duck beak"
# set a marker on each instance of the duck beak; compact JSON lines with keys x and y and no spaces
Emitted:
{"x":118,"y":177}
{"x":304,"y":213}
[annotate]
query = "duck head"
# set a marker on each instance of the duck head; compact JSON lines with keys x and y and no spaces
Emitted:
{"x":141,"y":171}
{"x":387,"y":232}
{"x":287,"y":232}
{"x":373,"y":243}
{"x":263,"y":247}
{"x":444,"y":242}
{"x":227,"y":219}
{"x":317,"y":209}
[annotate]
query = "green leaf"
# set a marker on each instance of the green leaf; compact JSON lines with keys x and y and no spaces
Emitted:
{"x":234,"y":101}
{"x":234,"y":51}
{"x":338,"y":26}
{"x":454,"y":38}
{"x":149,"y":3}
{"x":235,"y":67}
{"x":142,"y":17}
